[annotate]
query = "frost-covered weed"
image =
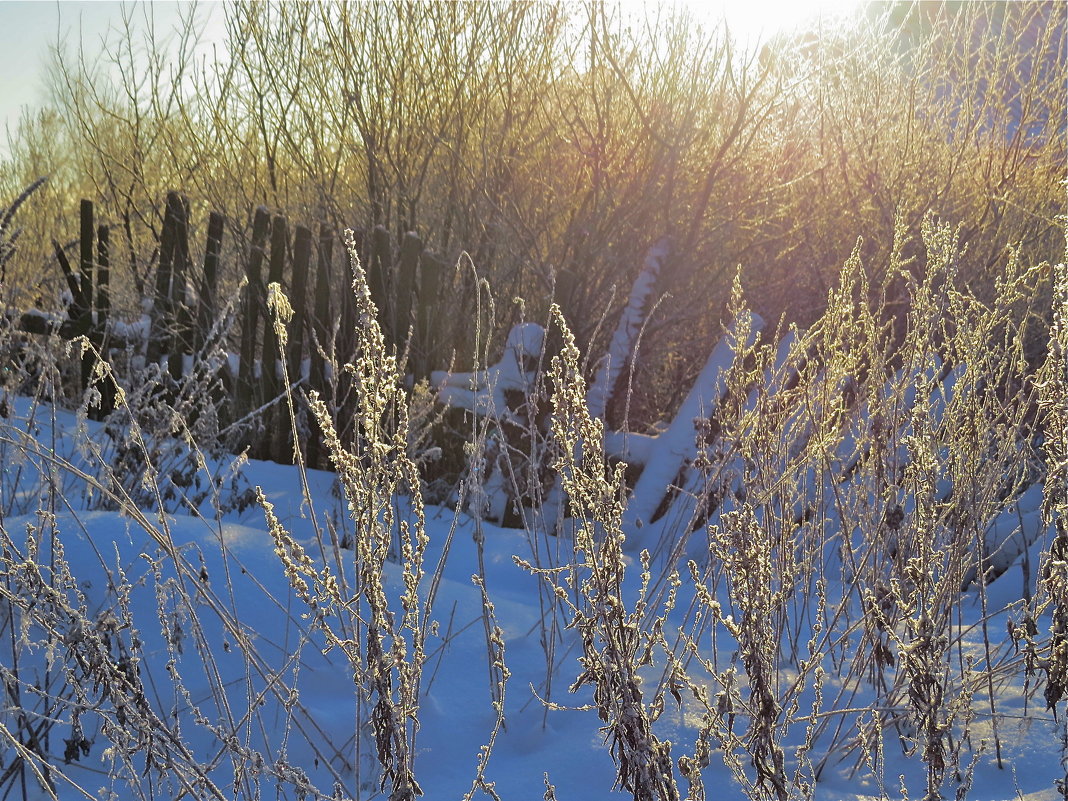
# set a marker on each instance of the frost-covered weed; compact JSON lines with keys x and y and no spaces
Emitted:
{"x":381,"y":637}
{"x":614,"y":644}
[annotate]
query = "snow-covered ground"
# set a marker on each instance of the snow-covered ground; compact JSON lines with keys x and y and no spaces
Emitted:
{"x":239,"y":593}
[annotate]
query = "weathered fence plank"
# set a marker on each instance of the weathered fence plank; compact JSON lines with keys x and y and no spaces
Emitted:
{"x":246,"y":397}
{"x":431,"y":350}
{"x":281,"y":433}
{"x":209,"y":286}
{"x":181,"y":320}
{"x":106,"y":386}
{"x":302,"y":246}
{"x":86,"y":242}
{"x":321,"y":335}
{"x":103,"y":275}
{"x":159,"y":337}
{"x":378,"y":275}
{"x":271,"y":357}
{"x":321,"y":327}
{"x":407,"y":268}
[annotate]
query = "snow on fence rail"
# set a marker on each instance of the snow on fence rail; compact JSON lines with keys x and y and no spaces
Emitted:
{"x":691,"y":473}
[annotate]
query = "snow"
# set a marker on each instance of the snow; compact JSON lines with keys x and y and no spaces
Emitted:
{"x":136,"y":331}
{"x":235,"y":585}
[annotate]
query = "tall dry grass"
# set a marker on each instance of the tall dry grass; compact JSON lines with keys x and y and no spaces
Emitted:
{"x":808,"y":615}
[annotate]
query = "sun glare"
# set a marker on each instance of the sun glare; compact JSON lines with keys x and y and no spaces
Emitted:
{"x":753,"y":22}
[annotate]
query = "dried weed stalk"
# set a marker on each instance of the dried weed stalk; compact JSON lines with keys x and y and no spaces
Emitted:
{"x":383,"y":644}
{"x":614,"y":645}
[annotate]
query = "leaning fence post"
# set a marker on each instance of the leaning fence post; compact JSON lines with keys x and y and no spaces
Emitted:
{"x":614,"y":364}
{"x":678,"y":444}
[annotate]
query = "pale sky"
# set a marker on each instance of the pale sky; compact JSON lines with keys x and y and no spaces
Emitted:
{"x":29,"y":28}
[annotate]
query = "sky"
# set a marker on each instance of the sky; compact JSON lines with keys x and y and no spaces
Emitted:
{"x":37,"y":25}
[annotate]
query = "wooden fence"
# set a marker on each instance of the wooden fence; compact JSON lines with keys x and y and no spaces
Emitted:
{"x":412,"y":289}
{"x":406,"y":281}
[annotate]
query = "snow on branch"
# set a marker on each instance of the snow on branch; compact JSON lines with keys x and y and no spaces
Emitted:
{"x":678,"y":444}
{"x":611,"y":366}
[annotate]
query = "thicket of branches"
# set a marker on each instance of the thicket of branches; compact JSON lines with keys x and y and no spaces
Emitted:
{"x":553,"y":142}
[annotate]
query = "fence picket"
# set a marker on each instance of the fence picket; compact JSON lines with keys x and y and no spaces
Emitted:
{"x":407,"y":267}
{"x":103,"y":275}
{"x":321,"y":334}
{"x":247,"y":397}
{"x":209,"y":287}
{"x":271,"y":356}
{"x":83,"y":303}
{"x":181,"y":321}
{"x":432,"y":341}
{"x":86,"y":241}
{"x":302,"y":244}
{"x":106,"y":387}
{"x":158,"y":336}
{"x":282,"y":448}
{"x":378,"y":280}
